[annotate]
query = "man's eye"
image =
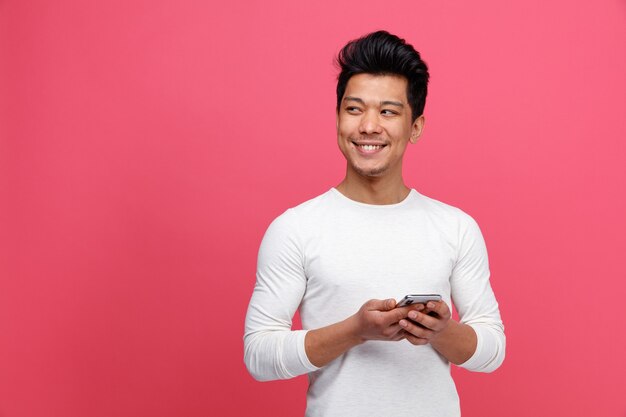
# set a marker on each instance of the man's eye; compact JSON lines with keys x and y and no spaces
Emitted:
{"x":352,"y":109}
{"x":387,"y":112}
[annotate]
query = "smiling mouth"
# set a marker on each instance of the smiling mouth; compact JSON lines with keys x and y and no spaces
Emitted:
{"x":368,"y":148}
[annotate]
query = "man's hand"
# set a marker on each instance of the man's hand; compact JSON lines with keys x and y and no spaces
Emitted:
{"x":379,"y":320}
{"x":423,"y":327}
{"x":453,"y":340}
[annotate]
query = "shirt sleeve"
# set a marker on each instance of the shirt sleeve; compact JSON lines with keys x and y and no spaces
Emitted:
{"x":475,"y":301}
{"x":271,"y":349}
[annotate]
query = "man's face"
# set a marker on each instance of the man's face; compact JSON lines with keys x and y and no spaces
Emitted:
{"x":374,"y":124}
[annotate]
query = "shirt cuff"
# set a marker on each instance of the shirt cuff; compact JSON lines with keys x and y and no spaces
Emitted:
{"x":297,"y":362}
{"x":489,"y":352}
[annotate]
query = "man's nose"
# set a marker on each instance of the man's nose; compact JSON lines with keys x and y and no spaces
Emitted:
{"x":370,"y":123}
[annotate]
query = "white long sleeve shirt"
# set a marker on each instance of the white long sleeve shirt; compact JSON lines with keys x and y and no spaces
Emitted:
{"x":327,"y":257}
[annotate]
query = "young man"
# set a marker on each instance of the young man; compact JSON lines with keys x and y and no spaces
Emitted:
{"x":373,"y":238}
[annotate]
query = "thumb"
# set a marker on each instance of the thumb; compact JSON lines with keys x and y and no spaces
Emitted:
{"x":381,"y":305}
{"x":388,"y":304}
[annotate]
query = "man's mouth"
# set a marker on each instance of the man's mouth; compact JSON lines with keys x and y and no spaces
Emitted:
{"x":368,"y":147}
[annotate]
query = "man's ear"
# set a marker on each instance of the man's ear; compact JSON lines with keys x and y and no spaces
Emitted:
{"x":416,"y":129}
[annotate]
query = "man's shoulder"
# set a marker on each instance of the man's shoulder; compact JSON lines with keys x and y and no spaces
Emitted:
{"x":306,"y":211}
{"x":444,"y":212}
{"x":322,"y":201}
{"x":312,"y":209}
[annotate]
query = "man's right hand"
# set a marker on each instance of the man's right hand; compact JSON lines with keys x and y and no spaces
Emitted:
{"x":378,"y":320}
{"x":375,"y":320}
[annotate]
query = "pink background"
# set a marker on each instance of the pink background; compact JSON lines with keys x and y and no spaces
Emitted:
{"x":146,"y":145}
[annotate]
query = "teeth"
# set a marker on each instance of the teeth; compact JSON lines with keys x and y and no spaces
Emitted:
{"x":371,"y":147}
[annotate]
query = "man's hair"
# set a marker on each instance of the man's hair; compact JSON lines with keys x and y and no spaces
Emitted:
{"x":381,"y":53}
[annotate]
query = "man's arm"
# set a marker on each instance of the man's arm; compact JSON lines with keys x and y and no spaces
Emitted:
{"x":272,"y":350}
{"x":457,"y":343}
{"x":477,"y":342}
{"x":475,"y":300}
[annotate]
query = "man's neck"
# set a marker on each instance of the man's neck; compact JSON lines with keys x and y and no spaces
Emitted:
{"x":373,"y":190}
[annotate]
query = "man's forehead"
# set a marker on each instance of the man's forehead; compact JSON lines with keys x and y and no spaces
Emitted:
{"x":376,"y":87}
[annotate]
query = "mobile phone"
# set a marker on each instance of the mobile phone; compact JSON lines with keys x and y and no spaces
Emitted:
{"x":418,"y":299}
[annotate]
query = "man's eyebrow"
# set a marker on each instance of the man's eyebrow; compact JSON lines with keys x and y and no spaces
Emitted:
{"x":392,"y":103}
{"x":383,"y":103}
{"x":350,"y":98}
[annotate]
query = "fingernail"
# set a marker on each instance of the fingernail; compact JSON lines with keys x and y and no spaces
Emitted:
{"x":431,"y":305}
{"x":413,"y":314}
{"x":420,"y":307}
{"x":402,"y":323}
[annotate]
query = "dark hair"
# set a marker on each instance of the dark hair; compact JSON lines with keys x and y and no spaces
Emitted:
{"x":381,"y":53}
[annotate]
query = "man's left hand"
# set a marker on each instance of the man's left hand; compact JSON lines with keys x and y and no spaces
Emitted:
{"x":422,"y":328}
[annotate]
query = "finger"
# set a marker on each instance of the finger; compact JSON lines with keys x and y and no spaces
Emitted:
{"x":390,"y":304}
{"x":401,"y":335}
{"x":415,"y":330}
{"x":414,"y":340}
{"x":432,"y":323}
{"x":400,"y":313}
{"x":381,"y":305}
{"x":395,"y":332}
{"x":439,"y":307}
{"x":394,"y":315}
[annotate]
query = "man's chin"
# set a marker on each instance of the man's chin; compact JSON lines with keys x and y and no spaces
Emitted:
{"x":373,"y":172}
